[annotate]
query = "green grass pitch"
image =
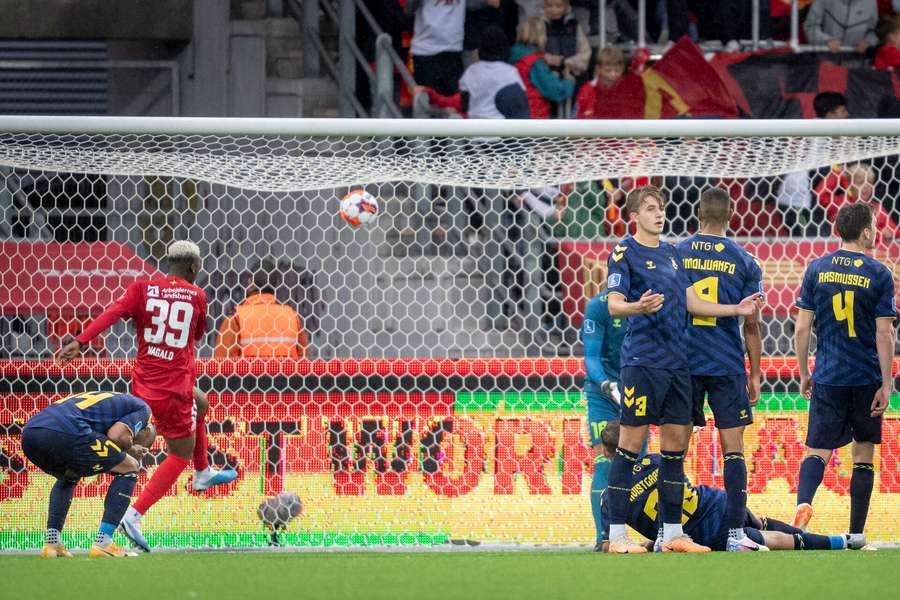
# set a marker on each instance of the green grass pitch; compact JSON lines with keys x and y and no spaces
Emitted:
{"x":450,"y":575}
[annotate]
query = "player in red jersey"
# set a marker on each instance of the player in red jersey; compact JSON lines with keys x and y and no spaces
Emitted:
{"x":169,"y":315}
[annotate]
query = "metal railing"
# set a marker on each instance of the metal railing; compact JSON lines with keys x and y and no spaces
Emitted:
{"x":306,"y":13}
{"x":342,"y":13}
{"x":753,"y":43}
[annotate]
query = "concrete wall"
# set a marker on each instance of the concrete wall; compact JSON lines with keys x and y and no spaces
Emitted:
{"x":96,"y":19}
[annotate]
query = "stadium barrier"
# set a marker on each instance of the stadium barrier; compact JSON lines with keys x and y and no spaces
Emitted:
{"x":408,"y":452}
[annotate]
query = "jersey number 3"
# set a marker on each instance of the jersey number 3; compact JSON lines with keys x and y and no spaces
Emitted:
{"x":171,"y":322}
{"x":842,"y":303}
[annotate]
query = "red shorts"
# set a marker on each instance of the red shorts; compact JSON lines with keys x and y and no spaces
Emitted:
{"x":175,"y":415}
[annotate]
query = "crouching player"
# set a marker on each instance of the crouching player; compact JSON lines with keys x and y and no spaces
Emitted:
{"x":704,"y":513}
{"x":82,"y":435}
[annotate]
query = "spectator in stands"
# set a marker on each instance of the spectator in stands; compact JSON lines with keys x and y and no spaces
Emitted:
{"x":836,"y":23}
{"x":730,"y":21}
{"x":535,"y":213}
{"x":793,"y":199}
{"x":389,"y":16}
{"x":491,"y":87}
{"x":260,"y":327}
{"x":830,"y":105}
{"x":542,"y":85}
{"x":582,"y":211}
{"x":888,"y":7}
{"x":888,"y":55}
{"x":608,"y":71}
{"x":861,"y":181}
{"x":530,"y":8}
{"x":567,"y":45}
{"x":780,"y":12}
{"x":505,"y":16}
{"x":794,"y":195}
{"x":437,"y":44}
{"x":612,"y":92}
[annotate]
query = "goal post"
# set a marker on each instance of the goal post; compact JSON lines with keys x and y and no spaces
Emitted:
{"x":440,"y":396}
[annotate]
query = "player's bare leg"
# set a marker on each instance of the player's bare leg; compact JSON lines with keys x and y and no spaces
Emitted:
{"x":732,"y":440}
{"x":674,"y":440}
{"x":631,"y":439}
{"x":812,"y":471}
{"x":181,"y":451}
{"x":204,"y":475}
{"x":861,"y":483}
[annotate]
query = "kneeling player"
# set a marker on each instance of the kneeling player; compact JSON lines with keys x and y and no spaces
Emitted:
{"x":704,"y":513}
{"x":82,"y":435}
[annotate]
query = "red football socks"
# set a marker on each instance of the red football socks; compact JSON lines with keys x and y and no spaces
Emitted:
{"x":201,"y":457}
{"x":161,"y":482}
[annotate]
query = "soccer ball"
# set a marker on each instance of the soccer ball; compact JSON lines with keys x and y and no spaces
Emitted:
{"x":359,"y":207}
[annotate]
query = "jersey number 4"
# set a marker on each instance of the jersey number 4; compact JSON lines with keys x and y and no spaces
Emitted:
{"x":171,"y":322}
{"x":86,"y":399}
{"x":688,"y":506}
{"x":842,"y":303}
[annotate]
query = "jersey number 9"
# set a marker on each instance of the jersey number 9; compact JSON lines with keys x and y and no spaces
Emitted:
{"x":706,"y":289}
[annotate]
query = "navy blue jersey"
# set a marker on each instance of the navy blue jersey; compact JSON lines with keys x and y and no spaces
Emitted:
{"x":602,"y":337}
{"x":703,"y":510}
{"x":847,"y":292}
{"x":90,"y":413}
{"x":656,"y":340}
{"x":722,"y":272}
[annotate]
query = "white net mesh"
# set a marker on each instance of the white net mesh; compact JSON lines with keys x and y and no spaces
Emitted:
{"x":291,"y":164}
{"x":436,"y":400}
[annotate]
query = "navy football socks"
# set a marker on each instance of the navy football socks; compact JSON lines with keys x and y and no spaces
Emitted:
{"x":814,"y":541}
{"x":861,"y":483}
{"x":736,"y":493}
{"x":118,"y":497}
{"x":619,"y":483}
{"x":671,"y":486}
{"x":60,"y":501}
{"x":812,"y":470}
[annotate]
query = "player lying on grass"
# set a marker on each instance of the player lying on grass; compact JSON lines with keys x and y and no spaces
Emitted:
{"x":704,"y":512}
{"x":83,"y":435}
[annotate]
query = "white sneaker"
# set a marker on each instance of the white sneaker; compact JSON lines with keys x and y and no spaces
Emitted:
{"x":744,"y":544}
{"x":856,"y":541}
{"x":209,"y":477}
{"x":131,"y":527}
{"x":625,"y":545}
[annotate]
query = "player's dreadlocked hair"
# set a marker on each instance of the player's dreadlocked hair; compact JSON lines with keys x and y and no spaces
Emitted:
{"x":183,"y":249}
{"x":182,"y":253}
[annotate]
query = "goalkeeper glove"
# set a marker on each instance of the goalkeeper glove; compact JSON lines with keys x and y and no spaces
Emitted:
{"x":611,"y":389}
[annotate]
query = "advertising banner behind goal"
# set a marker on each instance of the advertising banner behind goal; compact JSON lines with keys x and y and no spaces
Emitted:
{"x":493,"y":461}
